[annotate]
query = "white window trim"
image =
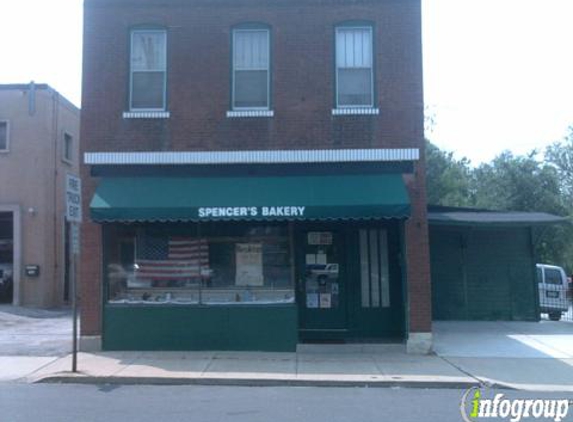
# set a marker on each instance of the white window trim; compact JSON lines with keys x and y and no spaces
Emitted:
{"x":133,"y":109}
{"x":361,"y":106}
{"x":356,"y":111}
{"x":64,"y":158}
{"x":268,"y":69}
{"x":7,"y":149}
{"x":250,"y":113}
{"x":146,"y":115}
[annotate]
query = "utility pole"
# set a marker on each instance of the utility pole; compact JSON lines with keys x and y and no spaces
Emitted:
{"x":74,"y":217}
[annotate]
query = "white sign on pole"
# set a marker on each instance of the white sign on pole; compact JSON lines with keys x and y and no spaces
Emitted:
{"x":73,"y":199}
{"x":75,"y":239}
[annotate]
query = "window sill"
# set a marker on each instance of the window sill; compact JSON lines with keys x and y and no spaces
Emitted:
{"x":250,"y":113}
{"x":146,"y":115}
{"x":353,"y":111}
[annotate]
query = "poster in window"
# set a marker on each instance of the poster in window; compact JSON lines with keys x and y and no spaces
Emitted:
{"x":312,"y":300}
{"x":249,"y":259}
{"x":321,"y":258}
{"x":319,"y":238}
{"x":334,"y":288}
{"x":310,"y":258}
{"x":325,"y":300}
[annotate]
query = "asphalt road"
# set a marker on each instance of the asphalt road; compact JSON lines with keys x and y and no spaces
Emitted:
{"x":87,"y":403}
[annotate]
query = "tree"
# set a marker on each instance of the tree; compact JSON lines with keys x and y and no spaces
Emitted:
{"x":518,"y":183}
{"x":560,"y":155}
{"x":448,"y":180}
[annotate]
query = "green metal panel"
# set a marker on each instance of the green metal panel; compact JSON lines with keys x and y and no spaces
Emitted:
{"x":244,"y":327}
{"x":448,"y":293}
{"x":128,"y":199}
{"x":482,"y":274}
{"x":359,"y":323}
{"x":379,"y":322}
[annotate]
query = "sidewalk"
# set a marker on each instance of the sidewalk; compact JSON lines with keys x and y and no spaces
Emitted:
{"x":381,"y":366}
{"x":35,"y":346}
{"x":374,"y":366}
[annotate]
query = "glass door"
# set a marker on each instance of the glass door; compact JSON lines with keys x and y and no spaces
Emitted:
{"x":321,"y":284}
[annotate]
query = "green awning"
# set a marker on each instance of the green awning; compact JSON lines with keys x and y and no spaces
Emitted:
{"x":130,"y":199}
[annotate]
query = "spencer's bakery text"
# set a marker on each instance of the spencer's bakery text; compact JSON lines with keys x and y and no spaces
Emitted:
{"x":251,"y":212}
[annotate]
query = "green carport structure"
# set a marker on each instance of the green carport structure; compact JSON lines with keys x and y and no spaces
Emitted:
{"x":483,"y":263}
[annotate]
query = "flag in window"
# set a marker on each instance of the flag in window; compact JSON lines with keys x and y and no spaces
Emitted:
{"x":171,"y":258}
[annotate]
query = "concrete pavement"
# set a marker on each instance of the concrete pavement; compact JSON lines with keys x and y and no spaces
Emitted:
{"x":521,"y":355}
{"x":34,"y":332}
{"x":31,"y":339}
{"x":391,"y":367}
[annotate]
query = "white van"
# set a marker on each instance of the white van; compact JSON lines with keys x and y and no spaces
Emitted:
{"x":552,"y":283}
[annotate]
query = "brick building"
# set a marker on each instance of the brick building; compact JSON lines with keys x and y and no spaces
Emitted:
{"x":253,"y":174}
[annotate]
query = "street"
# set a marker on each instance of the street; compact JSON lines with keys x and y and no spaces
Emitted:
{"x":110,"y":403}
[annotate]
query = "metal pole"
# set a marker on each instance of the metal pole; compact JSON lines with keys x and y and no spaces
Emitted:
{"x":73,"y":232}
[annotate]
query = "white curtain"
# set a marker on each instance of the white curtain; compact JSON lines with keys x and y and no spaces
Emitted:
{"x":251,"y":49}
{"x":354,"y":47}
{"x":148,"y":51}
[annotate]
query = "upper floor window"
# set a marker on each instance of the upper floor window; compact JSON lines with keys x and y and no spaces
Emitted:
{"x":251,"y":51}
{"x":4,"y":136}
{"x":354,"y":76}
{"x":68,"y":147}
{"x":148,"y":69}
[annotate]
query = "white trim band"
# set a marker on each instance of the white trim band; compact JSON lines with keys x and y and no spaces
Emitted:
{"x":250,"y":113}
{"x":146,"y":115}
{"x":252,"y":157}
{"x":349,"y":111}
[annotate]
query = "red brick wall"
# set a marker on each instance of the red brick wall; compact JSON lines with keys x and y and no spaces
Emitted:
{"x":418,"y":255}
{"x":302,"y":86}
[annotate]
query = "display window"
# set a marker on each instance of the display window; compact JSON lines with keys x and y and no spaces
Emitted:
{"x":207,"y":264}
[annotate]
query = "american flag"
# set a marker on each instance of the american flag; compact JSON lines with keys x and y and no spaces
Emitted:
{"x":171,"y":258}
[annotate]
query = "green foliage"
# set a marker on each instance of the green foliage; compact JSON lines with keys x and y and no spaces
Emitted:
{"x":560,"y":155}
{"x":448,"y":179}
{"x":518,"y":183}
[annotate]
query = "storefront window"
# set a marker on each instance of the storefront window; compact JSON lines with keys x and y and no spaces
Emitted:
{"x":224,"y":263}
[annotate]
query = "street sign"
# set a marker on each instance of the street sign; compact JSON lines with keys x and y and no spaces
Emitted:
{"x":73,"y":199}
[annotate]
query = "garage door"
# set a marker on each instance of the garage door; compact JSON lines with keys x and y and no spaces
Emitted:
{"x":482,"y":274}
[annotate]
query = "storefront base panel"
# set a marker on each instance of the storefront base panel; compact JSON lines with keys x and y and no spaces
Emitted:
{"x":90,"y":344}
{"x":419,"y":344}
{"x":240,"y":328}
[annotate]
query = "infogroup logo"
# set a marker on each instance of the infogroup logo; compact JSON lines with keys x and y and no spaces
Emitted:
{"x":475,"y":407}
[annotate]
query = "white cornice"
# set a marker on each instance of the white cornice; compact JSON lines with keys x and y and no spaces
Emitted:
{"x":252,"y":157}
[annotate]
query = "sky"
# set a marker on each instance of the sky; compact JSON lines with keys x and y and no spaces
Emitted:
{"x":498,"y":74}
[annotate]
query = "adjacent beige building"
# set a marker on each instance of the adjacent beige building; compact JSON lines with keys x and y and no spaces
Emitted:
{"x":39,"y":137}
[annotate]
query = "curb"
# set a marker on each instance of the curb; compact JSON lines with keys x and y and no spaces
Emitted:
{"x":255,"y":382}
